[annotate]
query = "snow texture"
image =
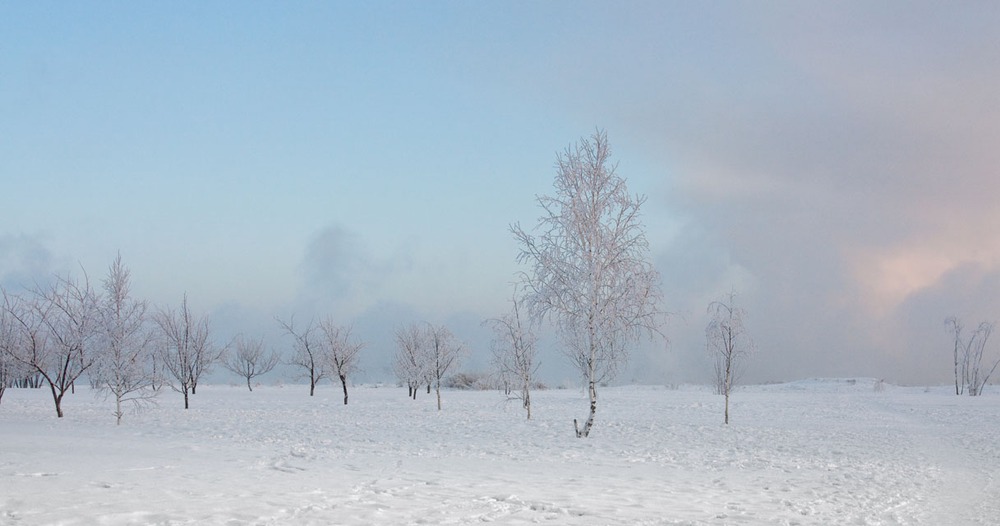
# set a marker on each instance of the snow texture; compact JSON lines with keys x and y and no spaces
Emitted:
{"x":813,"y":452}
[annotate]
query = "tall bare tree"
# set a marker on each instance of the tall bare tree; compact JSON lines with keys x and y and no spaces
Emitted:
{"x":123,"y":369}
{"x":342,"y":351}
{"x":444,"y":353}
{"x":728,"y":343}
{"x":185,"y":351}
{"x":309,"y":353}
{"x":590,"y":266}
{"x":249,"y":359}
{"x":514,"y":353}
{"x":410,"y":363}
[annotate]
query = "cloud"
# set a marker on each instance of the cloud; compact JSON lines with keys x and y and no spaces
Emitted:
{"x":26,"y":260}
{"x":339,"y":275}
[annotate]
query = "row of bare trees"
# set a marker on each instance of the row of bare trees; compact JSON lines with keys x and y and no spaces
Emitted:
{"x":323,"y":350}
{"x":425,"y":354}
{"x":66,"y":329}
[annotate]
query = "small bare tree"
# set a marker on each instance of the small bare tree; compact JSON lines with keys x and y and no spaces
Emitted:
{"x":185,"y":351}
{"x":249,"y":359}
{"x":514,"y":353}
{"x":590,"y":266}
{"x":342,"y":351}
{"x":309,"y":354}
{"x":123,"y":368}
{"x":410,"y":362}
{"x":728,"y":343}
{"x":970,"y":374}
{"x":444,"y":354}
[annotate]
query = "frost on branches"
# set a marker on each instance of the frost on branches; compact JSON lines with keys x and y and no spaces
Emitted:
{"x":590,"y":266}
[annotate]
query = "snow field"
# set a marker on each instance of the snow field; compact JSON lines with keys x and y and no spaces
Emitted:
{"x":812,"y":452}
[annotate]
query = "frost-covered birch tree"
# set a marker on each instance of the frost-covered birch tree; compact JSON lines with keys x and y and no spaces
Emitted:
{"x":410,"y":363}
{"x":342,"y":351}
{"x":514,"y":354}
{"x":309,"y":354}
{"x":123,"y":368}
{"x":248,"y":358}
{"x":590,"y":266}
{"x":728,"y":343}
{"x":185,"y":351}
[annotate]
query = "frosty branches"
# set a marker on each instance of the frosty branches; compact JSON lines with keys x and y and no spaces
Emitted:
{"x":186,"y":352}
{"x":425,"y":353}
{"x":970,"y":375}
{"x":341,"y":351}
{"x":249,"y":359}
{"x":514,"y":354}
{"x":124,"y":367}
{"x":308,"y":354}
{"x":410,"y":362}
{"x":728,"y":343}
{"x":590,"y":270}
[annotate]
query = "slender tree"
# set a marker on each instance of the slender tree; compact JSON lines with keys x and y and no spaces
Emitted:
{"x":514,"y":353}
{"x":444,"y":355}
{"x":123,"y":368}
{"x":977,"y":374}
{"x":729,"y":344}
{"x":249,"y":359}
{"x":309,"y":354}
{"x":954,"y":326}
{"x":342,"y":351}
{"x":590,"y":266}
{"x":410,"y":364}
{"x":185,"y":348}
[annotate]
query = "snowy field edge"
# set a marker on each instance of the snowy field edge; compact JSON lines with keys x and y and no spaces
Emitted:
{"x":815,"y":451}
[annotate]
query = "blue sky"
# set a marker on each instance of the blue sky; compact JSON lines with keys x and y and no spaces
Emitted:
{"x":835,"y":163}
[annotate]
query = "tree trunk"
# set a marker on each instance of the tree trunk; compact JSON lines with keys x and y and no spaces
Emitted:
{"x":57,"y":399}
{"x":250,"y":387}
{"x":118,"y":410}
{"x":437,"y":387}
{"x":343,"y":382}
{"x":312,"y":384}
{"x":585,"y":432}
{"x":185,"y":389}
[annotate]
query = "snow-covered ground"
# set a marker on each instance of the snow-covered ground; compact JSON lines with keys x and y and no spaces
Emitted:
{"x":811,"y":452}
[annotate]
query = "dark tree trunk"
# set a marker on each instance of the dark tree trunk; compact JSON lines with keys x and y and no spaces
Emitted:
{"x":343,"y":382}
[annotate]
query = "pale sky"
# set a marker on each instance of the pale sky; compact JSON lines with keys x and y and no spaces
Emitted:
{"x":833,"y":162}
